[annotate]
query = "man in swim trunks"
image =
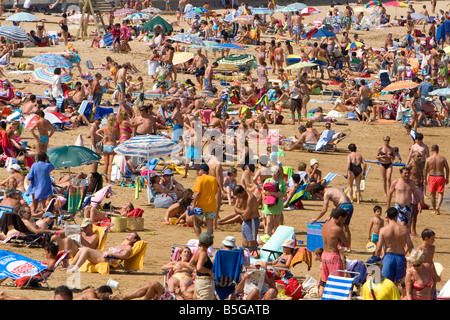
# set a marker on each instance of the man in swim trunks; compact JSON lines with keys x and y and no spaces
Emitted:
{"x":247,"y":208}
{"x":297,"y":26}
{"x":199,"y":63}
{"x":121,"y":77}
{"x":340,"y":200}
{"x":437,"y":176}
{"x":177,"y":118}
{"x":404,"y":189}
{"x":394,"y":238}
{"x":333,"y":236}
{"x":209,"y":74}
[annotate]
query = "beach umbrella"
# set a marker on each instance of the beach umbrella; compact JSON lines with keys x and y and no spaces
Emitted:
{"x":228,"y":46}
{"x":52,"y":60}
{"x":138,"y":16}
{"x":301,"y":64}
{"x":310,"y":11}
{"x":293,"y":7}
{"x":227,"y":67}
{"x":372,"y":4}
{"x":321,"y":33}
{"x":181,"y":57}
{"x":45,"y":76}
{"x":207,"y":45}
{"x":149,"y":25}
{"x":198,"y":10}
{"x":188,"y":38}
{"x":262,"y":11}
{"x":78,"y":16}
{"x":14,"y":34}
{"x":400,"y":85}
{"x":240,"y":60}
{"x":72,"y":156}
{"x":53,"y":117}
{"x":150,"y":146}
{"x":152,"y":10}
{"x":74,"y":8}
{"x":194,"y":12}
{"x":354,"y":46}
{"x":124,"y":12}
{"x":22,"y":17}
{"x":243,"y":19}
{"x":443,"y":92}
{"x":396,"y":4}
{"x":16,"y":266}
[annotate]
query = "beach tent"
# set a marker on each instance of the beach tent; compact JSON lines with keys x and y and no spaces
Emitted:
{"x":157,"y":21}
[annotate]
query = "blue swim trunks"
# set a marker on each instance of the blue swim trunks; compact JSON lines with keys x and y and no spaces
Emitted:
{"x":394,"y":266}
{"x":347,"y":206}
{"x":177,"y":132}
{"x":250,"y":229}
{"x":193,"y":153}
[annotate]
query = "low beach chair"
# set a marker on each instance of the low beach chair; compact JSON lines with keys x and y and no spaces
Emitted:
{"x":273,"y":248}
{"x":339,"y":287}
{"x":227,"y":270}
{"x":11,"y":220}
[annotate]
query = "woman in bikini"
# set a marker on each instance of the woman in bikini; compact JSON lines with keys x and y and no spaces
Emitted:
{"x":229,"y":183}
{"x":182,"y":272}
{"x":271,"y":50}
{"x":43,"y":127}
{"x":418,"y":280}
{"x":262,"y":51}
{"x":110,"y":134}
{"x":126,"y":126}
{"x":356,"y":167}
{"x":386,"y":156}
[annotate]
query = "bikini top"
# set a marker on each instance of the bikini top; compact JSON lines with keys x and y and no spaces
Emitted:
{"x":420,"y":286}
{"x":126,"y":129}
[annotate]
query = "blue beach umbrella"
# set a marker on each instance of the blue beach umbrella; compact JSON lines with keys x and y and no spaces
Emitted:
{"x":22,"y":17}
{"x":14,"y":34}
{"x":228,"y":46}
{"x":152,"y":146}
{"x":52,"y":60}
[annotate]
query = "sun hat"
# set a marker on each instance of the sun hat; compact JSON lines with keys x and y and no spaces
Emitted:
{"x":168,"y":172}
{"x":85,"y":222}
{"x":229,"y":241}
{"x":289,"y":243}
{"x":313,"y":162}
{"x":16,"y":167}
{"x":206,"y":239}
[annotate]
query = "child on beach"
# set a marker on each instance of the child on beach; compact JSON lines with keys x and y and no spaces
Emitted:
{"x":376,"y":223}
{"x":428,"y":248}
{"x":177,"y":209}
{"x":228,"y":185}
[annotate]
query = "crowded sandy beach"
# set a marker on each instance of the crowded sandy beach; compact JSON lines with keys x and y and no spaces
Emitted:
{"x":225,"y":151}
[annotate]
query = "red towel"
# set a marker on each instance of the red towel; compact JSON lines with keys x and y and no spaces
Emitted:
{"x":135,"y":213}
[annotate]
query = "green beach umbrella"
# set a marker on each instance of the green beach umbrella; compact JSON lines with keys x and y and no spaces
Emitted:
{"x":157,"y":21}
{"x":71,"y":156}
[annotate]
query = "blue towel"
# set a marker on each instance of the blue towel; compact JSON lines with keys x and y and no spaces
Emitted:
{"x":227,"y":270}
{"x":194,"y":210}
{"x":104,"y":112}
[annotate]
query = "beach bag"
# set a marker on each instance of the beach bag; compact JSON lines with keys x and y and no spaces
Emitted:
{"x":164,"y":200}
{"x":270,"y":200}
{"x":89,"y":64}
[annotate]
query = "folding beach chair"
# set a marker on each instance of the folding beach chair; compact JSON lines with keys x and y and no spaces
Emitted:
{"x":339,"y":287}
{"x":11,"y":220}
{"x":273,"y":248}
{"x":75,"y":197}
{"x":174,"y":256}
{"x":86,"y":108}
{"x":227,"y":270}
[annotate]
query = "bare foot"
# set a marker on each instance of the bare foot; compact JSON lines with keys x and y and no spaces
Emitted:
{"x":415,"y":235}
{"x":438,"y":212}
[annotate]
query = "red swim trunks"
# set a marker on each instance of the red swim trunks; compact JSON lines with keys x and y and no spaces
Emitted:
{"x":330,"y":262}
{"x":436,"y":184}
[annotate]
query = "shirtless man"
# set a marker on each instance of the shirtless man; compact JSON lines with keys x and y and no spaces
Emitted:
{"x":405,"y":190}
{"x":120,"y":80}
{"x":394,"y":243}
{"x":297,"y":26}
{"x":348,"y":12}
{"x":168,"y":60}
{"x":417,"y":175}
{"x":199,"y":67}
{"x":340,"y":200}
{"x":334,"y":237}
{"x":305,"y":137}
{"x":86,"y":237}
{"x":343,"y":43}
{"x":313,"y":54}
{"x":216,"y":170}
{"x":419,"y":147}
{"x":389,"y":42}
{"x":194,"y":148}
{"x":322,"y":55}
{"x":209,"y":75}
{"x":247,"y":208}
{"x":178,"y":122}
{"x":30,"y":106}
{"x":364,"y":94}
{"x":437,"y":176}
{"x":96,"y":140}
{"x":147,"y":122}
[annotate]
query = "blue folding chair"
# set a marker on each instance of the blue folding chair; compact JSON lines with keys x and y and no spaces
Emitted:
{"x":339,"y":287}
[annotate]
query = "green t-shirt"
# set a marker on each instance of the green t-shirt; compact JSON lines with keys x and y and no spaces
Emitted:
{"x":278,"y":208}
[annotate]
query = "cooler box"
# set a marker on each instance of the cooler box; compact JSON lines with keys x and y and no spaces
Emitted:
{"x":314,"y":236}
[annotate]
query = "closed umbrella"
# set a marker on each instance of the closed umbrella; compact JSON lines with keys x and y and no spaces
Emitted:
{"x":45,"y":75}
{"x":150,"y":146}
{"x":22,"y":17}
{"x":53,"y":117}
{"x":52,"y":60}
{"x":14,"y":34}
{"x":72,"y":156}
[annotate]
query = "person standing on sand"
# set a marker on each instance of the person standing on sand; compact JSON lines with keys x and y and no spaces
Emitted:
{"x":417,"y":175}
{"x":395,"y":242}
{"x":405,"y":190}
{"x":333,"y":236}
{"x":43,"y":126}
{"x":436,"y":176}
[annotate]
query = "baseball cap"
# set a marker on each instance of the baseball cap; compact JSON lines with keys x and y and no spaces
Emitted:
{"x":229,"y":241}
{"x":48,"y":214}
{"x":168,"y":172}
{"x":427,"y":77}
{"x":203,"y":167}
{"x":374,"y":260}
{"x":16,"y":167}
{"x":85,"y":222}
{"x":206,"y":239}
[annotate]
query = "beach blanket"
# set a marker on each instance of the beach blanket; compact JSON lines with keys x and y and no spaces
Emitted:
{"x":302,"y":255}
{"x":325,"y":138}
{"x":100,"y":195}
{"x":74,"y":198}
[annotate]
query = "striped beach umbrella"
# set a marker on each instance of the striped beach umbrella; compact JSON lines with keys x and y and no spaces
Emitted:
{"x":124,"y":12}
{"x":227,"y":67}
{"x":354,"y":46}
{"x":243,"y":19}
{"x":52,"y":60}
{"x":53,"y":117}
{"x":14,"y":34}
{"x":78,"y":16}
{"x":22,"y":17}
{"x":152,"y":10}
{"x":372,"y":4}
{"x":182,"y":57}
{"x":310,"y":11}
{"x":400,"y":85}
{"x":188,"y":38}
{"x":150,"y":146}
{"x":45,"y":75}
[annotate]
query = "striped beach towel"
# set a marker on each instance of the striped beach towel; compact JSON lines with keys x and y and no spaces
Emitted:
{"x":74,"y":198}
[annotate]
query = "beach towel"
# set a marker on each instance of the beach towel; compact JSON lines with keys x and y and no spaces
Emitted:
{"x":74,"y":198}
{"x":135,"y":213}
{"x":100,"y":195}
{"x":103,"y":112}
{"x":302,"y":255}
{"x":227,"y":269}
{"x":299,"y":195}
{"x":325,"y":138}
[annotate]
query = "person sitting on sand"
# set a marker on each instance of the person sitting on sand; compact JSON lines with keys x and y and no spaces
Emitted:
{"x":180,"y":207}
